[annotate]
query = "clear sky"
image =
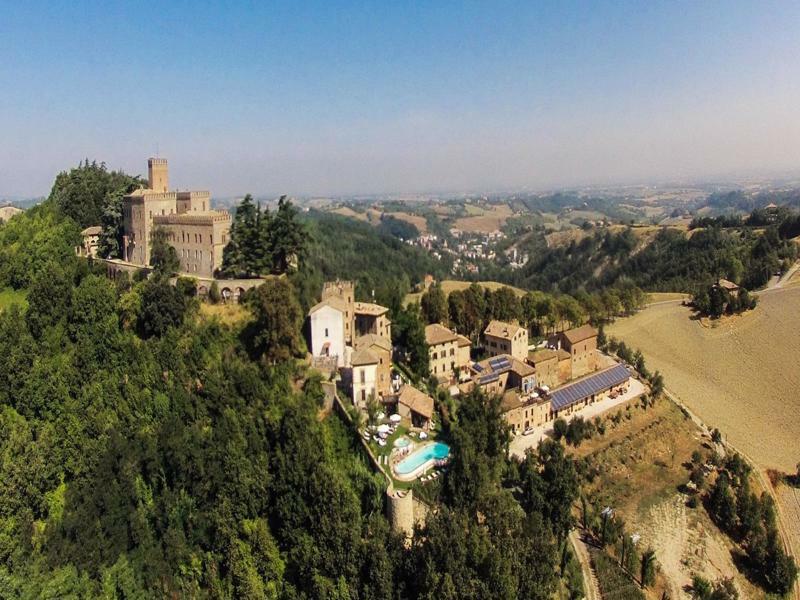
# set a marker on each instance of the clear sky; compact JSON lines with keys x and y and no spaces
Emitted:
{"x":362,"y":97}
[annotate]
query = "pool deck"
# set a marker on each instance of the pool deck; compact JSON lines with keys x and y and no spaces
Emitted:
{"x":398,"y":456}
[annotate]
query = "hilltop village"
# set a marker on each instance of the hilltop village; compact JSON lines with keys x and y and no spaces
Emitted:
{"x":537,"y":383}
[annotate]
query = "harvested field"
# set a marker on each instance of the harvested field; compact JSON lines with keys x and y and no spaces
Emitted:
{"x":741,"y":376}
{"x":346,"y":211}
{"x":419,"y":222}
{"x":486,"y":220}
{"x":450,"y":285}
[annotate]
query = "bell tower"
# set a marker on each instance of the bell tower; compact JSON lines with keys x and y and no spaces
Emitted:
{"x":157,"y":174}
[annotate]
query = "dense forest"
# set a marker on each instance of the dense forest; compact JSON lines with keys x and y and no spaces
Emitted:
{"x":672,"y":261}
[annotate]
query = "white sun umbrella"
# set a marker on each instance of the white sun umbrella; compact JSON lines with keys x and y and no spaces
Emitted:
{"x":395,"y":418}
{"x":383,"y":428}
{"x":380,"y":416}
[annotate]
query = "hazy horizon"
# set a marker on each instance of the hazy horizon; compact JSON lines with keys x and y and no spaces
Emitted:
{"x":345,"y":99}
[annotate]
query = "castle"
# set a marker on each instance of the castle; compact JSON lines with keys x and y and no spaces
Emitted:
{"x":198,"y":233}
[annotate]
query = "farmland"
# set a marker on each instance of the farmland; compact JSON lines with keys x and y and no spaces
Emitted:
{"x":740,"y":376}
{"x":449,"y":285}
{"x":485,"y":220}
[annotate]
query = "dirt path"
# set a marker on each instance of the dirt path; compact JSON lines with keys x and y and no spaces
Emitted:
{"x":590,"y":584}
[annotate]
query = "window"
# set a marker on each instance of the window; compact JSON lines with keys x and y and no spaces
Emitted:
{"x":326,"y":332}
{"x":363,"y":395}
{"x":363,"y":375}
{"x":452,"y":351}
{"x":435,"y":355}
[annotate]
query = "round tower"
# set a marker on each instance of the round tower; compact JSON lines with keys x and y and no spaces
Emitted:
{"x":400,"y":508}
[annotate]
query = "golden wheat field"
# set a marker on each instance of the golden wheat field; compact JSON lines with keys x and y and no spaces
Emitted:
{"x":742,"y":376}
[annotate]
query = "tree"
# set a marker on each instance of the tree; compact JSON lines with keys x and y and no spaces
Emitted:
{"x":274,"y":335}
{"x":288,"y":237}
{"x":49,"y":299}
{"x":559,"y":428}
{"x":408,"y":332}
{"x":162,"y":307}
{"x":213,"y":293}
{"x":434,"y":304}
{"x":163,"y":256}
{"x":89,"y":191}
{"x":648,"y":568}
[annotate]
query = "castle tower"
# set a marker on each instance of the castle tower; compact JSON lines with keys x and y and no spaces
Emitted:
{"x":346,"y":292}
{"x":157,"y":174}
{"x":400,"y":509}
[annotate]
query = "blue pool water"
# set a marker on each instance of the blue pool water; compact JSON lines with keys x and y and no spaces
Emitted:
{"x":435,"y":451}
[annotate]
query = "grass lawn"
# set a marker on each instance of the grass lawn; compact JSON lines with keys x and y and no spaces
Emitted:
{"x":11,"y":296}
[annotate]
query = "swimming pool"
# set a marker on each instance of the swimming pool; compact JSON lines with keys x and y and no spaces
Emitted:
{"x":420,"y":457}
{"x":402,"y":442}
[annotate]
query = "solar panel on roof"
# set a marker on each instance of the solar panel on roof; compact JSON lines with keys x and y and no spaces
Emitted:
{"x":570,"y":394}
{"x":488,"y":378}
{"x":477,"y":367}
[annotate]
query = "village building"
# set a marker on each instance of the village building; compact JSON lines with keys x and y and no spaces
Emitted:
{"x":380,"y":348}
{"x":593,"y":388}
{"x":328,"y":330}
{"x":581,"y":344}
{"x":355,"y":338}
{"x":506,"y":338}
{"x":547,"y":364}
{"x":360,"y":318}
{"x":373,"y":319}
{"x":363,"y":376}
{"x":415,"y":406}
{"x":197,"y":232}
{"x":448,"y":353}
{"x":90,"y":240}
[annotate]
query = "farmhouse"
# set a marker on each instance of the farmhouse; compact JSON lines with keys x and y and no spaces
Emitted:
{"x":728,"y":286}
{"x":197,"y":232}
{"x":448,"y":353}
{"x":506,"y":338}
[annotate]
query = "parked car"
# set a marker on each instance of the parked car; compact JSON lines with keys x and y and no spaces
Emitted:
{"x":528,"y":431}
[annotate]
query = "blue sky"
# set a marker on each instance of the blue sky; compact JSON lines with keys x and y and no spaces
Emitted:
{"x":361,"y":97}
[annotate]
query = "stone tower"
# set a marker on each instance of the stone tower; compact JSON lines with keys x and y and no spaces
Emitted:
{"x":157,"y":174}
{"x":346,"y":292}
{"x":400,"y":509}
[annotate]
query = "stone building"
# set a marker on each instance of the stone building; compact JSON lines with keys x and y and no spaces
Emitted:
{"x":90,"y":239}
{"x":364,"y":376}
{"x":581,"y":344}
{"x":448,"y":353}
{"x":380,"y":348}
{"x":506,"y":338}
{"x":197,"y":232}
